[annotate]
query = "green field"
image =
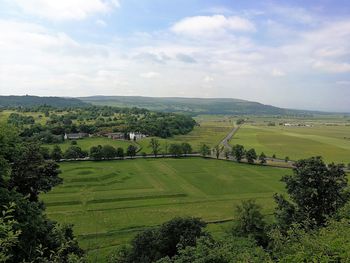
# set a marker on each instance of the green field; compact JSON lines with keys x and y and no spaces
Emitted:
{"x":109,"y":201}
{"x":330,"y":142}
{"x":211,"y":130}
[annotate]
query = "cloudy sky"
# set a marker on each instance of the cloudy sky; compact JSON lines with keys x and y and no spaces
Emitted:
{"x":286,"y":53}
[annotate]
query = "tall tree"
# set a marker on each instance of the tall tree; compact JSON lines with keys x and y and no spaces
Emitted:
{"x":96,"y":152}
{"x":251,"y":156}
{"x":262,"y":158}
{"x":56,"y":153}
{"x":217,"y":151}
{"x":109,"y":152}
{"x":238,"y":152}
{"x":155,"y":146}
{"x":204,"y":150}
{"x":186,"y":148}
{"x":131,"y":151}
{"x":316,"y":192}
{"x":31,"y":174}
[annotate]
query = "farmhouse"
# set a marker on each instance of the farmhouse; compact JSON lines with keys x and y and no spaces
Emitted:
{"x":115,"y":135}
{"x":75,"y":136}
{"x":136,"y":136}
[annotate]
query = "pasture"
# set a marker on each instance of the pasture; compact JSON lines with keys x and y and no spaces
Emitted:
{"x":211,"y":130}
{"x":110,"y":201}
{"x":330,"y":142}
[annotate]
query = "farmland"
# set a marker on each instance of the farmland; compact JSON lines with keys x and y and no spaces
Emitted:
{"x":331,"y":142}
{"x":108,"y":202}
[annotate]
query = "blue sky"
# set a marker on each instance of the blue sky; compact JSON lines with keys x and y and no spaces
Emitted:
{"x":292,"y":54}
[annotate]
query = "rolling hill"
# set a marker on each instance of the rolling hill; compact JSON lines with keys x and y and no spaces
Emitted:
{"x":29,"y":101}
{"x":193,"y":106}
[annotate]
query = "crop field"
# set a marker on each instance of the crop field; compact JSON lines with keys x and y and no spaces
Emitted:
{"x":87,"y":143}
{"x":330,"y":142}
{"x":211,"y":130}
{"x":110,"y":201}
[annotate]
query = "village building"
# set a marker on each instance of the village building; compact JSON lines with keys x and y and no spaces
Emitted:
{"x":75,"y":136}
{"x":115,"y":135}
{"x":136,"y":136}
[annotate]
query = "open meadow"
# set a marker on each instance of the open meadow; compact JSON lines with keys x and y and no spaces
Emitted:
{"x":332,"y":142}
{"x":109,"y":201}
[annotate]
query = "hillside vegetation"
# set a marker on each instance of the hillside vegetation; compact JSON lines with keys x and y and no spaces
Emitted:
{"x":193,"y":106}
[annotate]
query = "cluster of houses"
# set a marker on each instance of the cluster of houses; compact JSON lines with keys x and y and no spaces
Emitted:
{"x":113,"y":135}
{"x":296,"y":125}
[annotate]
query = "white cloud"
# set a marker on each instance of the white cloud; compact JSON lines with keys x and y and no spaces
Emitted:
{"x":208,"y":79}
{"x":332,"y":67}
{"x":59,"y":10}
{"x":101,"y":23}
{"x":149,"y":75}
{"x":201,"y":25}
{"x":277,"y":73}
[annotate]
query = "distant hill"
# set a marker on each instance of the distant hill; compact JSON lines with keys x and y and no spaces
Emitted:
{"x":193,"y":106}
{"x":29,"y":101}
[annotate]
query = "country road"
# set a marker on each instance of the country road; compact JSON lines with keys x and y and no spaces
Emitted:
{"x":225,"y":141}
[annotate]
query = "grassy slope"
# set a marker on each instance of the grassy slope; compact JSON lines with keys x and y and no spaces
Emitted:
{"x":331,"y":142}
{"x":108,"y":202}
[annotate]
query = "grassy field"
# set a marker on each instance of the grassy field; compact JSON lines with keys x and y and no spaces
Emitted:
{"x":331,"y":142}
{"x":211,"y":130}
{"x":87,"y":143}
{"x":108,"y":202}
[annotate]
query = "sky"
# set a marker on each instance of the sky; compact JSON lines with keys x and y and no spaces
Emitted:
{"x":292,"y":54}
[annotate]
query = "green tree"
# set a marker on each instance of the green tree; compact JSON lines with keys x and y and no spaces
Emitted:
{"x":175,"y":149}
{"x":109,"y":152}
{"x":120,"y":152}
{"x":286,"y":159}
{"x":56,"y":153}
{"x":96,"y":152}
{"x":186,"y":148}
{"x":262,"y":158}
{"x":204,"y":150}
{"x":154,"y":244}
{"x":131,"y":151}
{"x":74,"y":152}
{"x":238,"y":152}
{"x":217,"y":151}
{"x":316,"y":192}
{"x":154,"y":144}
{"x":250,"y":155}
{"x":250,"y":222}
{"x":31,"y":174}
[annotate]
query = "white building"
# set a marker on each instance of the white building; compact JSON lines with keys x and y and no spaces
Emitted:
{"x":136,"y":136}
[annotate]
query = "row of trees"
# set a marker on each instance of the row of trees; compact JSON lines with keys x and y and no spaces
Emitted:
{"x":311,"y":225}
{"x":174,"y":149}
{"x":96,"y":152}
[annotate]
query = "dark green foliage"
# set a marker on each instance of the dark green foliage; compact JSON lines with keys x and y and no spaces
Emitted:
{"x":262,"y":158}
{"x":229,"y":250}
{"x":18,"y":120}
{"x":154,"y":244}
{"x":75,"y":152}
{"x":250,"y":222}
{"x":131,"y":151}
{"x":251,"y":156}
{"x":96,"y":152}
{"x":204,"y":150}
{"x":120,"y":152}
{"x":186,"y":148}
{"x":109,"y":152}
{"x":175,"y":149}
{"x":238,"y":152}
{"x":316,"y":192}
{"x":32,"y":175}
{"x":240,"y":121}
{"x":155,"y":146}
{"x":286,"y":159}
{"x":56,"y":153}
{"x":218,"y":150}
